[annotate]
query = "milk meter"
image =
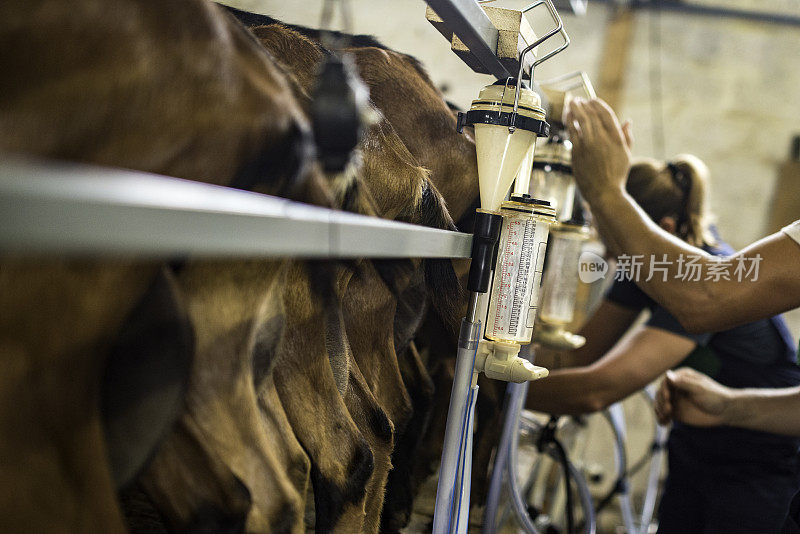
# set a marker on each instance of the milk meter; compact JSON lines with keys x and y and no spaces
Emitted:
{"x":504,"y":140}
{"x":518,"y":270}
{"x":551,"y":175}
{"x":559,"y":291}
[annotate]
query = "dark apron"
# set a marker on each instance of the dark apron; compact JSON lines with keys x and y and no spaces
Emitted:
{"x":780,"y":325}
{"x":792,"y":523}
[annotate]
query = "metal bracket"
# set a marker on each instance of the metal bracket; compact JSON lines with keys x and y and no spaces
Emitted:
{"x":558,"y":29}
{"x":470,"y":23}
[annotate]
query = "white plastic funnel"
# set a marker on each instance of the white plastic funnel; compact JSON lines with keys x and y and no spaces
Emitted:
{"x":500,"y":155}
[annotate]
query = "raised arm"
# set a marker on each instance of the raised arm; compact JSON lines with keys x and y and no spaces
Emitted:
{"x":601,"y":158}
{"x":630,"y":365}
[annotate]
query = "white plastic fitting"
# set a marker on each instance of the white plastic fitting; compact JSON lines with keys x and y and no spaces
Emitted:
{"x":501,"y":361}
{"x":556,"y":337}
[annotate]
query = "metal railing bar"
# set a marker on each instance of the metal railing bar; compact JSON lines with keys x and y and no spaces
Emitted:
{"x":60,"y":208}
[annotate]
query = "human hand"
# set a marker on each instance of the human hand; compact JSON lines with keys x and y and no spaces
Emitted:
{"x":601,"y":148}
{"x":691,"y":397}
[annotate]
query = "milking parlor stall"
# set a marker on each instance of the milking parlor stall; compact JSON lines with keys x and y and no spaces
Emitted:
{"x":275,"y":267}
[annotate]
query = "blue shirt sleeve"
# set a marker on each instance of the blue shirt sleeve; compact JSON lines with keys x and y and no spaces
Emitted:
{"x":664,"y":320}
{"x":626,"y":293}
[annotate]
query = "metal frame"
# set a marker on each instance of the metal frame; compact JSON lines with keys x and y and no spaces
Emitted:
{"x":471,"y":24}
{"x":79,"y":209}
{"x":680,"y":6}
{"x":558,"y":29}
{"x":506,"y":461}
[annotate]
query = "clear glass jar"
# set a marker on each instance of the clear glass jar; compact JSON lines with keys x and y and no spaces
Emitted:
{"x":551,"y":176}
{"x":560,"y":286}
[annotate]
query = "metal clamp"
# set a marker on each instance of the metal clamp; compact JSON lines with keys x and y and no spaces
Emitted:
{"x":558,"y":29}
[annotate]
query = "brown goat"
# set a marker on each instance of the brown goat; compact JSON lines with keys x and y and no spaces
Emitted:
{"x":53,"y":445}
{"x":237,"y":313}
{"x":398,"y":188}
{"x":191,"y":95}
{"x":401,"y":89}
{"x":289,"y":380}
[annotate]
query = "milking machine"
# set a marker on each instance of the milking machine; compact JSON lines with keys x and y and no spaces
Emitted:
{"x":560,"y":287}
{"x":509,"y":243}
{"x":624,"y":470}
{"x":550,"y":179}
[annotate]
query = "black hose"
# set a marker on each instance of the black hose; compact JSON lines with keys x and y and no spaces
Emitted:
{"x":619,"y":487}
{"x":548,"y":437}
{"x":562,"y":457}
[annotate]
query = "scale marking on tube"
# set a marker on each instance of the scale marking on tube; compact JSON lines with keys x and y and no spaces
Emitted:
{"x":505,"y":275}
{"x":521,"y":283}
{"x":537,"y":282}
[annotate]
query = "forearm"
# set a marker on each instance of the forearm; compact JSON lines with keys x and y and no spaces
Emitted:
{"x":699,"y":299}
{"x":768,"y":410}
{"x":556,"y":359}
{"x":602,"y":331}
{"x":628,"y":367}
{"x":552,"y":359}
{"x":569,"y":392}
{"x":601,"y":161}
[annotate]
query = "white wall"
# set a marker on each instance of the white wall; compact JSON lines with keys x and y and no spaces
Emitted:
{"x":401,"y":24}
{"x":730,"y":96}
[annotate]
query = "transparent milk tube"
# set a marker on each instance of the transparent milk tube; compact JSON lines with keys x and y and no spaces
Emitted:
{"x":518,"y":270}
{"x":556,"y":187}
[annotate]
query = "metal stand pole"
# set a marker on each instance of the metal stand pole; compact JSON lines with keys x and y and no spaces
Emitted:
{"x":654,"y":477}
{"x":452,"y":494}
{"x":449,"y":492}
{"x":506,"y":460}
